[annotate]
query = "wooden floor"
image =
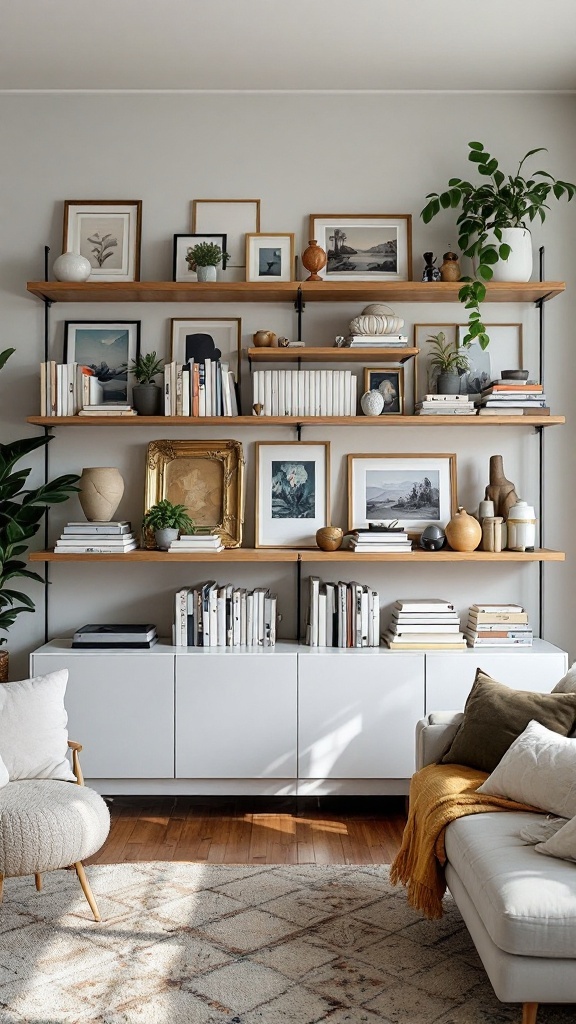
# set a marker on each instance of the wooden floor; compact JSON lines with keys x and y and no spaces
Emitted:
{"x":365,"y":830}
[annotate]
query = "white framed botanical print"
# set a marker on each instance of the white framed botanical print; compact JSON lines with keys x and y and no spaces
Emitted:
{"x":292,"y":492}
{"x":269,"y":257}
{"x":107,"y":233}
{"x":414,"y":489}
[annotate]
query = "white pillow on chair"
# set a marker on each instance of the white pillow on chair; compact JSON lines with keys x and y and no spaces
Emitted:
{"x":4,"y":777}
{"x":33,"y":733}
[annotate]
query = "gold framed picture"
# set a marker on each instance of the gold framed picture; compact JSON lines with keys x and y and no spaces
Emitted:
{"x":207,"y":477}
{"x":389,"y":381}
{"x":108,"y":233}
{"x":415,"y":489}
{"x":292,"y":492}
{"x":269,"y":257}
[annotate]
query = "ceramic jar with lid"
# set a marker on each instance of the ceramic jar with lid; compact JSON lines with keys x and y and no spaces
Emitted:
{"x":521,"y":527}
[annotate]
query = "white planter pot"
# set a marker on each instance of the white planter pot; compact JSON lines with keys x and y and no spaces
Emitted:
{"x":518,"y":266}
{"x":206,"y":273}
{"x":71,"y":266}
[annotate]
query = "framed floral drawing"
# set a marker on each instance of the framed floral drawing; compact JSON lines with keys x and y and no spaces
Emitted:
{"x":183,"y":267}
{"x":108,"y":233}
{"x":292,"y":492}
{"x":107,"y":348}
{"x":376,"y":247}
{"x":389,"y":381}
{"x":269,"y":257}
{"x":415,"y":489}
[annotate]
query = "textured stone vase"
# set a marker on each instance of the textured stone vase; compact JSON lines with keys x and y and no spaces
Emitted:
{"x":463,"y":532}
{"x":101,"y":489}
{"x":372,"y":403}
{"x":500,"y":490}
{"x":71,"y":266}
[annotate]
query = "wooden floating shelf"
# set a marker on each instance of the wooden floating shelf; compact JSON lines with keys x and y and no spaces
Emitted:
{"x":311,"y":555}
{"x":313,"y":291}
{"x":326,"y":354}
{"x":292,"y":421}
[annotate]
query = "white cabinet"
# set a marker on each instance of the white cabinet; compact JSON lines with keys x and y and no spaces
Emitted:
{"x":450,"y":674}
{"x":236,"y":714}
{"x":120,"y":707}
{"x":356,"y":713}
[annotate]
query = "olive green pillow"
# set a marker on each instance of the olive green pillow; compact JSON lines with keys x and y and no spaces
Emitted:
{"x":494,"y":715}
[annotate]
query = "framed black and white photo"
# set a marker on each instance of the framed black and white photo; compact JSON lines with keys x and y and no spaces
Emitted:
{"x":505,"y":352}
{"x":108,"y":234}
{"x":375,"y":247}
{"x":269,"y":257}
{"x":202,"y":338}
{"x":107,"y":348}
{"x":183,"y":267}
{"x":292,"y":492}
{"x":390,"y":383}
{"x":415,"y":489}
{"x":233,"y":217}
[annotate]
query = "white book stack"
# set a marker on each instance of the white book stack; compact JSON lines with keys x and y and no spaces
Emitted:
{"x":377,"y":341}
{"x":305,"y":392}
{"x":445,"y":405}
{"x":210,"y":615}
{"x":197,"y":542}
{"x":70,"y":389}
{"x":498,"y":625}
{"x":79,"y":538}
{"x":381,"y":539}
{"x":342,"y":615}
{"x":430,"y":623}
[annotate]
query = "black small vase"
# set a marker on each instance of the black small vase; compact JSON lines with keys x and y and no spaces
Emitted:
{"x":146,"y":399}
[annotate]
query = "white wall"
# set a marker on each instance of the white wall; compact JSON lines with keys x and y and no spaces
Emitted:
{"x":299,"y":154}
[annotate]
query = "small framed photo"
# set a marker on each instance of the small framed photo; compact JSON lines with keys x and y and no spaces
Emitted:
{"x":417,"y":490}
{"x":375,"y":247}
{"x":183,"y":268}
{"x":200,"y":338}
{"x":269,"y":257}
{"x":292,"y":492}
{"x":233,"y":217}
{"x":107,"y":347}
{"x":390,"y":383}
{"x":108,"y":233}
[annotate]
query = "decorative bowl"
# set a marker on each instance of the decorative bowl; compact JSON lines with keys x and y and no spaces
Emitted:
{"x":329,"y":538}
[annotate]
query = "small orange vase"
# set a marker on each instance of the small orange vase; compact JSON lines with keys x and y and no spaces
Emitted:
{"x":313,"y":260}
{"x":463,"y":532}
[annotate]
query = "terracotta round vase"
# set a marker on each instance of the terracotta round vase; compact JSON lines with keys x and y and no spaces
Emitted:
{"x":329,"y":538}
{"x":463,"y":532}
{"x":313,"y":259}
{"x":101,"y":489}
{"x":500,"y":490}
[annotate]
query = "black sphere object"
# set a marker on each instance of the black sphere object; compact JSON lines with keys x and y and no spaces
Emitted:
{"x":432,"y":538}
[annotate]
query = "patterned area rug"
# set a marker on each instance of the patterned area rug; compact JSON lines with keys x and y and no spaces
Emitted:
{"x":219,"y":944}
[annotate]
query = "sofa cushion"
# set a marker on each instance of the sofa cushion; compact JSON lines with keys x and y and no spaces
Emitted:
{"x":526,"y":902}
{"x":568,"y":682}
{"x":539,"y":769}
{"x":562,"y":843}
{"x":33,"y":734}
{"x":494,"y":715}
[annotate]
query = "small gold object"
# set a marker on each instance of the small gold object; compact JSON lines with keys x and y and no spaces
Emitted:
{"x":283,"y":342}
{"x":329,"y":538}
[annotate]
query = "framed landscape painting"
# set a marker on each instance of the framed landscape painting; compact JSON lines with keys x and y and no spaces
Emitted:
{"x":416,"y":490}
{"x":107,"y":347}
{"x":107,"y":233}
{"x":292,"y":492}
{"x":375,"y":247}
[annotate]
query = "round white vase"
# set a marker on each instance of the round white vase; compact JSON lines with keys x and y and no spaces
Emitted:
{"x":518,"y":266}
{"x":206,"y":273}
{"x":372,"y":403}
{"x":101,"y":489}
{"x":71,"y":266}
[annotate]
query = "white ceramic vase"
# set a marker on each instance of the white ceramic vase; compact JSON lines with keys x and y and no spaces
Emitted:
{"x":518,"y":266}
{"x":101,"y":489}
{"x":71,"y":266}
{"x":206,"y":273}
{"x":372,"y":403}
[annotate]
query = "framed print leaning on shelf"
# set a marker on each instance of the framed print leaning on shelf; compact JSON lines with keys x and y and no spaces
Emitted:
{"x":376,"y":247}
{"x":505,"y":352}
{"x":107,"y":347}
{"x":107,"y":233}
{"x":207,"y":477}
{"x":414,"y":489}
{"x":236,"y":218}
{"x":216,"y":338}
{"x":269,"y":257}
{"x":182,"y":270}
{"x":390,"y":383}
{"x":292,"y":492}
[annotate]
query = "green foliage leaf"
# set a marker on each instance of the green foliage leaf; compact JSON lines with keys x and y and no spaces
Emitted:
{"x":445,"y":200}
{"x":476,"y":145}
{"x":485,"y":272}
{"x":5,"y":356}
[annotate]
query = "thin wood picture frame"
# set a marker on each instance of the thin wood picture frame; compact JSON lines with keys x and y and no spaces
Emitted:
{"x":225,"y":331}
{"x":389,"y":380}
{"x":235,"y":218}
{"x":108,"y":232}
{"x":416,"y":489}
{"x":292,"y":493}
{"x":270,"y":257}
{"x":379,"y":245}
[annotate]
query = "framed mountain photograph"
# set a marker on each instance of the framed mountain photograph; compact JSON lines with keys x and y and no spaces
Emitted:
{"x":415,"y":490}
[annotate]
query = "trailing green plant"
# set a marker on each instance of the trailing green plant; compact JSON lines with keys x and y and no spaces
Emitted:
{"x":146,"y":368}
{"x":501,"y":201}
{"x":166,"y":516}
{"x":205,"y":254}
{"x":446,"y":356}
{"x":21,"y":512}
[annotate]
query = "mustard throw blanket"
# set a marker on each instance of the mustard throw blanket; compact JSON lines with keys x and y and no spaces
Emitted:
{"x":439,"y":793}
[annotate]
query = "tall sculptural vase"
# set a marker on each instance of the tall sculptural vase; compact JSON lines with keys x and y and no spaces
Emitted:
{"x":500,"y":490}
{"x":101,"y":490}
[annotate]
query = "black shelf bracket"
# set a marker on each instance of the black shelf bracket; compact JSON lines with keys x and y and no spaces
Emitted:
{"x":299,"y":306}
{"x":541,"y":451}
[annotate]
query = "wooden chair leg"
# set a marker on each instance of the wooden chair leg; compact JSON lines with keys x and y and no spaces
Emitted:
{"x":1,"y":887}
{"x":38,"y":880}
{"x":79,"y":867}
{"x":529,"y":1011}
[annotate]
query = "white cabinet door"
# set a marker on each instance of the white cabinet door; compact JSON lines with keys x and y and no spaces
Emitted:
{"x":121,"y":708}
{"x":357,"y":712}
{"x":236,"y":715}
{"x":450,"y":674}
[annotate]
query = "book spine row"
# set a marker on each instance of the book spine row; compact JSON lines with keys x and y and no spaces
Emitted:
{"x":342,"y":615}
{"x":200,"y":389}
{"x":305,"y":392}
{"x":65,"y":388}
{"x":209,"y":615}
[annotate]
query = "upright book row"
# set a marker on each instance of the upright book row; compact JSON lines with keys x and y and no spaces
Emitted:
{"x":71,"y":389}
{"x":342,"y":615}
{"x":210,"y":615}
{"x":206,"y":388}
{"x":305,"y":392}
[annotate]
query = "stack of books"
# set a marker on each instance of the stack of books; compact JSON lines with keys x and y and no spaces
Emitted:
{"x":377,"y":341}
{"x":197,"y":542}
{"x":380,"y":538}
{"x":112,"y":538}
{"x":210,"y":615}
{"x":113,"y":636}
{"x":71,"y":389}
{"x":498,"y":625}
{"x":200,"y":389}
{"x":342,"y":615}
{"x":305,"y":392}
{"x":512,"y":398}
{"x":430,"y":623}
{"x":108,"y":409}
{"x":445,"y":405}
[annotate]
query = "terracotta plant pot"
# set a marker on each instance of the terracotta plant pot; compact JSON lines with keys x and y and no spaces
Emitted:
{"x":463,"y":532}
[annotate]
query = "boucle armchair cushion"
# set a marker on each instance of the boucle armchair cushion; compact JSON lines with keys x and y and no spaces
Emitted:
{"x":33,"y":733}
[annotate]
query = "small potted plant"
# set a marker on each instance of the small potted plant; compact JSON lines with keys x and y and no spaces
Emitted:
{"x":204,"y":257}
{"x":493,"y":226}
{"x":450,"y":362}
{"x":167,"y":521}
{"x":146,"y":395}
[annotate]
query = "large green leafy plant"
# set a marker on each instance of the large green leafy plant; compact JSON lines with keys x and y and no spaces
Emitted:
{"x":500,"y":201}
{"x":21,"y":513}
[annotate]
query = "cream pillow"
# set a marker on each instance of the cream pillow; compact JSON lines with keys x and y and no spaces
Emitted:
{"x":562,"y":844}
{"x":539,"y":769}
{"x":4,"y":777}
{"x":33,"y":733}
{"x":568,"y":682}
